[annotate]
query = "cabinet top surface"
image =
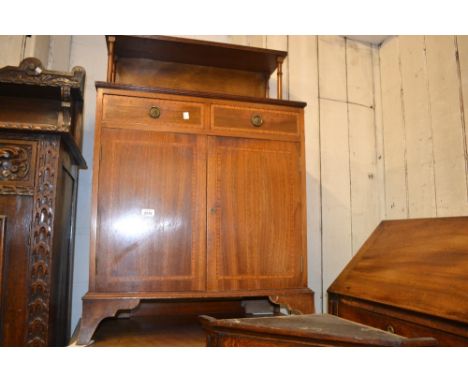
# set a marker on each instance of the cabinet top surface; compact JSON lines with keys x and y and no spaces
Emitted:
{"x":193,"y":93}
{"x":198,"y":52}
{"x":417,"y":264}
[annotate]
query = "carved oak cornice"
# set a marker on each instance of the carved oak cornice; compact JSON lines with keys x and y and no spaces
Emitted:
{"x":31,"y":72}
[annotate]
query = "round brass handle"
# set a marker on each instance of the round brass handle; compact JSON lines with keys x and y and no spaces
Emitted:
{"x":256,"y":120}
{"x":155,"y":112}
{"x":390,"y":329}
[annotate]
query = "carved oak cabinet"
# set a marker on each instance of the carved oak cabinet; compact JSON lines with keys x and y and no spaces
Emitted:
{"x":199,"y":179}
{"x":40,"y":140}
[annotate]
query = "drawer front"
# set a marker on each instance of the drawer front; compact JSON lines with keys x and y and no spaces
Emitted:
{"x":396,"y":325}
{"x":155,"y":113}
{"x":254,"y":120}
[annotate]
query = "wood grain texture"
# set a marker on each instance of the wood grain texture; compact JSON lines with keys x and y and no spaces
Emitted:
{"x":421,"y":272}
{"x":166,"y":168}
{"x":17,"y":209}
{"x":418,"y":127}
{"x":255,"y":212}
{"x":166,"y":249}
{"x":41,"y":122}
{"x":198,"y":52}
{"x":446,"y":122}
{"x":129,"y":111}
{"x":279,"y":43}
{"x":172,"y":75}
{"x":302,"y":330}
{"x":3,"y":222}
{"x":404,"y":323}
{"x":233,"y":117}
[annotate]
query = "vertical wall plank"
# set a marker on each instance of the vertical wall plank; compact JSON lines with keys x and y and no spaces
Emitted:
{"x":11,"y":48}
{"x":362,"y":144}
{"x":379,"y":143}
{"x":393,"y":131}
{"x":336,"y":211}
{"x":59,"y":53}
{"x":279,"y":43}
{"x":444,"y":95}
{"x":332,"y":73}
{"x":359,"y":73}
{"x":303,"y":81}
{"x":462,"y":44}
{"x":257,"y":41}
{"x":418,"y":129}
{"x":365,"y":212}
{"x":238,"y":39}
{"x":38,"y":46}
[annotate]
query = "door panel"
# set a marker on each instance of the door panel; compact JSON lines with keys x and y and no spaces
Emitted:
{"x":152,"y":212}
{"x":254,"y":214}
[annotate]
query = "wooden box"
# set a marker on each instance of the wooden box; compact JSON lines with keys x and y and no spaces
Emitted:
{"x":300,"y":330}
{"x":40,"y":141}
{"x":409,"y":278}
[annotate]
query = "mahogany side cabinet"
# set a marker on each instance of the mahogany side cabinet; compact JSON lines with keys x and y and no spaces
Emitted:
{"x":40,"y":154}
{"x":198,"y":179}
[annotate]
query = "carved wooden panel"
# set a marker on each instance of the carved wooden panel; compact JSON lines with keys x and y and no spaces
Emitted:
{"x":17,"y":166}
{"x":41,"y":242}
{"x":151,"y":233}
{"x":255,"y":214}
{"x":2,"y":250}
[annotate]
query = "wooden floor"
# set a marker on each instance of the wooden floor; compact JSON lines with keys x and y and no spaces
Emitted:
{"x":150,"y":331}
{"x":170,"y":323}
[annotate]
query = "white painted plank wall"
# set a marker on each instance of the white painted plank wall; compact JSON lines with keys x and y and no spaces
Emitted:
{"x":418,"y":127}
{"x":12,"y":48}
{"x":334,"y":154}
{"x":425,"y":142}
{"x":393,"y":132}
{"x":303,"y":85}
{"x":462,"y":49}
{"x":364,"y":192}
{"x":446,"y":114}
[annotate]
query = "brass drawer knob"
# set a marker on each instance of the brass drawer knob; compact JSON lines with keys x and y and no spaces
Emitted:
{"x":256,"y":120}
{"x":155,"y":112}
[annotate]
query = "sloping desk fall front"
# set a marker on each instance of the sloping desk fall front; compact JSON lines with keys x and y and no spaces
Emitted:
{"x":410,"y":278}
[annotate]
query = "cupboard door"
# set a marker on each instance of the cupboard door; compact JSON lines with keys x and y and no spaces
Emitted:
{"x":255,"y":214}
{"x":152,"y":212}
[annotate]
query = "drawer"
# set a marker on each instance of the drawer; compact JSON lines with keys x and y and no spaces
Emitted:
{"x":152,"y":112}
{"x":254,"y":120}
{"x":386,"y":320}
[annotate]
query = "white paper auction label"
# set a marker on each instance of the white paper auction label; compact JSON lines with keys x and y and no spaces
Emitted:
{"x":147,"y":212}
